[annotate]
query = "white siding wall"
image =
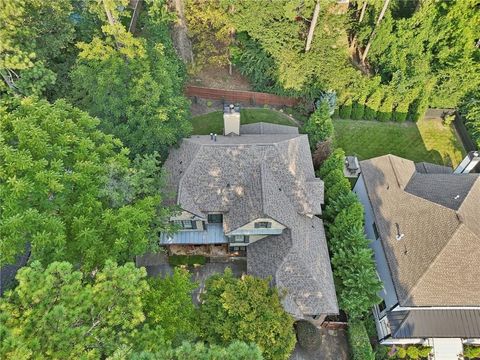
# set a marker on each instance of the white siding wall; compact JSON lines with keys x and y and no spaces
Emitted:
{"x":249,"y":229}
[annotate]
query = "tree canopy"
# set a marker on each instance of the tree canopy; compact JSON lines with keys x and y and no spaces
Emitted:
{"x":33,"y":35}
{"x":70,"y":190}
{"x":57,"y":312}
{"x":134,"y":85}
{"x":246,"y":309}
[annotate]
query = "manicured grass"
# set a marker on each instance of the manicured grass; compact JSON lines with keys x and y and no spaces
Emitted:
{"x":213,"y":122}
{"x":176,"y":260}
{"x":427,"y":140}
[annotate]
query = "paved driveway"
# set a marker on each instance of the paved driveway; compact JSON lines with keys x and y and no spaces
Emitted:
{"x":202,"y":273}
{"x":334,"y":347}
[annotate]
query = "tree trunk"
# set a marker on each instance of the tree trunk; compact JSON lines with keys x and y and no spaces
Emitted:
{"x":136,"y":13}
{"x":110,"y":17}
{"x":362,"y":13}
{"x":312,"y":26}
{"x":372,"y":36}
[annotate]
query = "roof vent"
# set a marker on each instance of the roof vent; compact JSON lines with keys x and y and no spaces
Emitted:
{"x":399,"y":236}
{"x":457,"y":197}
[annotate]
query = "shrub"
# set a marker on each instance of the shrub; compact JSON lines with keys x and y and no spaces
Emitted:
{"x":424,"y":351}
{"x":372,"y":104}
{"x":345,"y":111}
{"x":335,"y":161}
{"x":385,"y":110}
{"x":358,"y":110}
{"x":352,"y":259}
{"x":176,"y":260}
{"x":319,"y":126}
{"x":471,"y":352}
{"x":359,"y":341}
{"x":401,"y":353}
{"x":308,"y":335}
{"x":413,"y":353}
{"x":401,"y":111}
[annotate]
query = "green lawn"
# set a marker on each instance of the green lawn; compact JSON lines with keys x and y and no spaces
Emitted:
{"x":213,"y":122}
{"x":427,"y":140}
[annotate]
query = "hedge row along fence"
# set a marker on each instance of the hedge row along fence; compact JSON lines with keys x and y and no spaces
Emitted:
{"x":381,"y":105}
{"x":352,"y":259}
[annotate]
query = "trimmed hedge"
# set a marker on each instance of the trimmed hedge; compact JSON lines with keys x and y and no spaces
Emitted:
{"x":176,"y":260}
{"x":345,"y":111}
{"x":352,"y":259}
{"x":359,"y":342}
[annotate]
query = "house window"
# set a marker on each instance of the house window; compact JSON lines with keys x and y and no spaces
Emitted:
{"x":382,"y":306}
{"x":240,"y":239}
{"x":263,"y":225}
{"x":375,"y":231}
{"x":187,"y":224}
{"x":215,"y":218}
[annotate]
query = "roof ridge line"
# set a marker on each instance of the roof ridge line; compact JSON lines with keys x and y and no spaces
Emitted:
{"x":395,"y":171}
{"x":185,"y":172}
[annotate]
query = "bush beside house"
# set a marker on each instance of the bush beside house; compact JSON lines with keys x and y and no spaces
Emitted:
{"x":359,"y":342}
{"x":352,"y":259}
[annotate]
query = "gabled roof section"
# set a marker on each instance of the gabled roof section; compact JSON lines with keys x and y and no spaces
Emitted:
{"x":436,"y":214}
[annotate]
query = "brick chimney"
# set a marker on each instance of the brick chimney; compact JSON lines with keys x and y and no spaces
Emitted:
{"x":231,"y":120}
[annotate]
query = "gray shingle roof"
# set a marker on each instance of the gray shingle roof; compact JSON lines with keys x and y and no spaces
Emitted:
{"x":267,"y":128}
{"x":436,"y":262}
{"x":435,"y":323}
{"x":428,"y":168}
{"x":251,"y":176}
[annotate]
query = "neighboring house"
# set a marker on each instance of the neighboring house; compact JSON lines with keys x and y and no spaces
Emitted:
{"x":254,"y":194}
{"x":424,"y":224}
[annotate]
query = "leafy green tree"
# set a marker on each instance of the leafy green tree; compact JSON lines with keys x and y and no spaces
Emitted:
{"x":246,"y":309}
{"x":319,"y":125}
{"x":385,"y":109}
{"x":33,"y":36}
{"x":188,"y":351}
{"x":235,"y":351}
{"x":134,"y":85}
{"x":70,"y":191}
{"x":56,"y":313}
{"x":345,"y":111}
{"x":168,"y":304}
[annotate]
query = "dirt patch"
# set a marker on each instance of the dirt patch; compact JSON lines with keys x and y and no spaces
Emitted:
{"x":218,"y":77}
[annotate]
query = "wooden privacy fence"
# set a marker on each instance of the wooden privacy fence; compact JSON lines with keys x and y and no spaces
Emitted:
{"x":462,"y":131}
{"x":238,"y":96}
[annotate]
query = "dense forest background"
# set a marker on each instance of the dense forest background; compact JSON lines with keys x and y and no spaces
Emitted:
{"x":384,"y":60}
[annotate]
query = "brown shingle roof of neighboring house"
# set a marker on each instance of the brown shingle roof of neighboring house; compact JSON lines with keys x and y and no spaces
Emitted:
{"x":252,"y":176}
{"x":436,"y":262}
